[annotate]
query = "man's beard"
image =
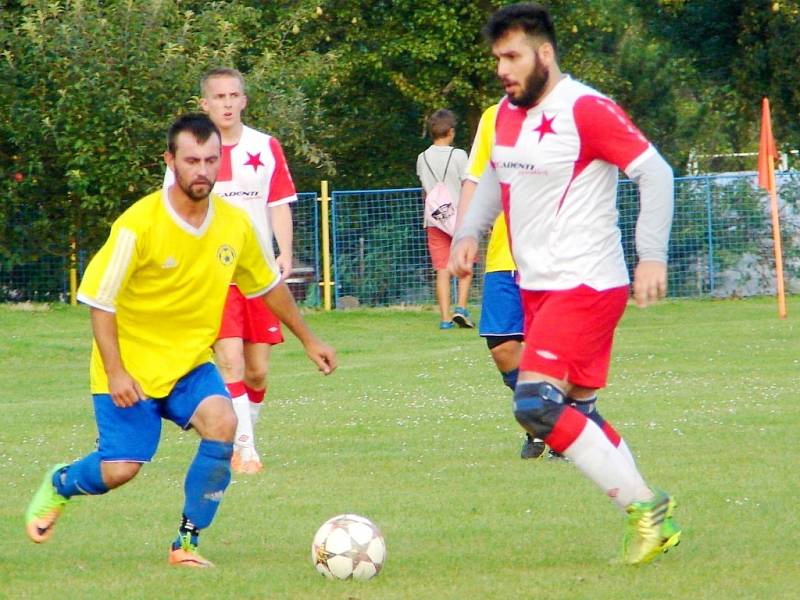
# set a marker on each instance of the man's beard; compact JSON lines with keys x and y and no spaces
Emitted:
{"x":191,"y":189}
{"x":535,"y":83}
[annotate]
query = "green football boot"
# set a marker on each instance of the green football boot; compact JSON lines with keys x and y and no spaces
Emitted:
{"x":650,"y":530}
{"x":45,"y":508}
{"x":670,"y":531}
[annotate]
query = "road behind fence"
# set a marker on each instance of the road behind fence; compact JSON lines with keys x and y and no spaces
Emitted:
{"x":721,"y":245}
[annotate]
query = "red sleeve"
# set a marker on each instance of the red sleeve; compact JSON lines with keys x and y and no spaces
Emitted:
{"x":281,"y":186}
{"x":607,"y":133}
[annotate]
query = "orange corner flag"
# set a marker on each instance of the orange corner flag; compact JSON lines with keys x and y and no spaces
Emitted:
{"x":767,"y":154}
{"x":766,"y":179}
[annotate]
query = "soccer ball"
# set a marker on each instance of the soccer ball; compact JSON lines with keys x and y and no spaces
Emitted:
{"x":348,"y":547}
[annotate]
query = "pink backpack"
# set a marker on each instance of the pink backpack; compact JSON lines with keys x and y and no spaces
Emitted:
{"x":439,"y":204}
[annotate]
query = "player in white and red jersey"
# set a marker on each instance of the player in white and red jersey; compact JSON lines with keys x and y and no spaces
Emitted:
{"x":254,"y":176}
{"x":557,"y":149}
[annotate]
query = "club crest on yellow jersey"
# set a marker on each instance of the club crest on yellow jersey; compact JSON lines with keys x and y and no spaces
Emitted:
{"x":226,"y":255}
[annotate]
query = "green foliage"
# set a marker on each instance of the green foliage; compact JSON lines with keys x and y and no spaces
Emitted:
{"x":94,"y":86}
{"x":90,"y":86}
{"x":691,"y":74}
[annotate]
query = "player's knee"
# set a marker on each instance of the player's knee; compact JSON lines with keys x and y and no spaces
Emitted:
{"x":505,"y":351}
{"x":117,"y":473}
{"x":256,"y":377}
{"x":215,"y":419}
{"x":499,"y":353}
{"x":224,"y":428}
{"x":537,"y":406}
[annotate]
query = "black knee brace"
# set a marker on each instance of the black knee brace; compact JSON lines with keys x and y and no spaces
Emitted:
{"x":537,"y":407}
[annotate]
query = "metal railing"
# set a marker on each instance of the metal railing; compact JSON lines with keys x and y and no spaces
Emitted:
{"x":721,"y":245}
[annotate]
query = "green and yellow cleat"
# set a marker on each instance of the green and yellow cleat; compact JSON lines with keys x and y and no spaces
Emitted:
{"x":45,"y":508}
{"x":650,"y":530}
{"x":670,"y":531}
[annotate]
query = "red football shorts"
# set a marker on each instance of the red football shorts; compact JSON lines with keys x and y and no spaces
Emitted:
{"x":249,"y":319}
{"x":439,"y":247}
{"x":569,"y":333}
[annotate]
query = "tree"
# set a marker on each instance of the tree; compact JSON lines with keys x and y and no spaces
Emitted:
{"x":431,"y":54}
{"x":94,"y":86}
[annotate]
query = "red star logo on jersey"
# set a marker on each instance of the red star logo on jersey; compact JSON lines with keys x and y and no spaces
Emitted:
{"x":545,"y":127}
{"x":254,"y":160}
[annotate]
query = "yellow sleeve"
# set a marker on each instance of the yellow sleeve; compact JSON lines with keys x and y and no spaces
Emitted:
{"x":256,"y":272}
{"x":110,"y":269}
{"x":481,"y":150}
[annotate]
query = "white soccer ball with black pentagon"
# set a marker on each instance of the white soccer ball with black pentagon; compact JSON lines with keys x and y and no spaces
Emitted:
{"x":348,"y":547}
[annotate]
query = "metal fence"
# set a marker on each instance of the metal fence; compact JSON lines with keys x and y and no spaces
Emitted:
{"x":721,"y":245}
{"x":304,"y":280}
{"x":380,"y":252}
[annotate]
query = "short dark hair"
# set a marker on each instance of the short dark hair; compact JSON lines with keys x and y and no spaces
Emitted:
{"x":533,"y":19}
{"x":198,"y":124}
{"x":441,"y":122}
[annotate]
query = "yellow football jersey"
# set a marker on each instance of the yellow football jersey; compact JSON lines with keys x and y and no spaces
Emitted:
{"x":167,"y":283}
{"x":498,"y":252}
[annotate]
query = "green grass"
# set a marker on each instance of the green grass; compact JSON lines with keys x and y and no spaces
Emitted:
{"x":415,"y":432}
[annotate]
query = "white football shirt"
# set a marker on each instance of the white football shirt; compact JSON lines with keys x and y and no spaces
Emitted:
{"x":557,"y":165}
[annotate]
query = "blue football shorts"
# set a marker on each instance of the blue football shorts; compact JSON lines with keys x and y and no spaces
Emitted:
{"x":132,"y":434}
{"x":501,"y":311}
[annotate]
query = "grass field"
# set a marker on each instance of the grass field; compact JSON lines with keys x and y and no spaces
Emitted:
{"x":415,"y":432}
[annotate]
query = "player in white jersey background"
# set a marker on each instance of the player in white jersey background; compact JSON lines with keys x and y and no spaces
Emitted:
{"x":553,"y":172}
{"x":254,"y":176}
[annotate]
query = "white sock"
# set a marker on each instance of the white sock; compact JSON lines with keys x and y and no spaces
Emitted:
{"x":255,"y":410}
{"x":243,"y":441}
{"x":599,"y":460}
{"x":626,"y":452}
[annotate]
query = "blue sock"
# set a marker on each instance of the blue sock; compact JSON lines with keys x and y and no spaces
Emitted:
{"x":81,"y":478}
{"x":510,"y":378}
{"x":206,"y":481}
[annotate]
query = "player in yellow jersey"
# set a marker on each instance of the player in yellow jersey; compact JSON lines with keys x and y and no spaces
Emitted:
{"x":502,"y":322}
{"x":156,"y":290}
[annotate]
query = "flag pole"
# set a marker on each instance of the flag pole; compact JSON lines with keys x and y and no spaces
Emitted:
{"x":776,"y":238}
{"x":767,"y":154}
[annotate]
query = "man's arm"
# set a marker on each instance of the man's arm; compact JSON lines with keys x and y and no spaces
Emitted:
{"x":479,"y":157}
{"x":280,"y":217}
{"x":482,"y":212}
{"x":125,"y":391}
{"x":281,"y":302}
{"x":483,"y":207}
{"x":467,"y":191}
{"x":656,"y":192}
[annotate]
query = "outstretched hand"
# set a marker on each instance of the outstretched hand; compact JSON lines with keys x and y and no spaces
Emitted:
{"x":649,"y":282}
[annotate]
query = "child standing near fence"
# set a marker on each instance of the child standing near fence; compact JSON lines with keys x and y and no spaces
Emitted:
{"x":442,"y":169}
